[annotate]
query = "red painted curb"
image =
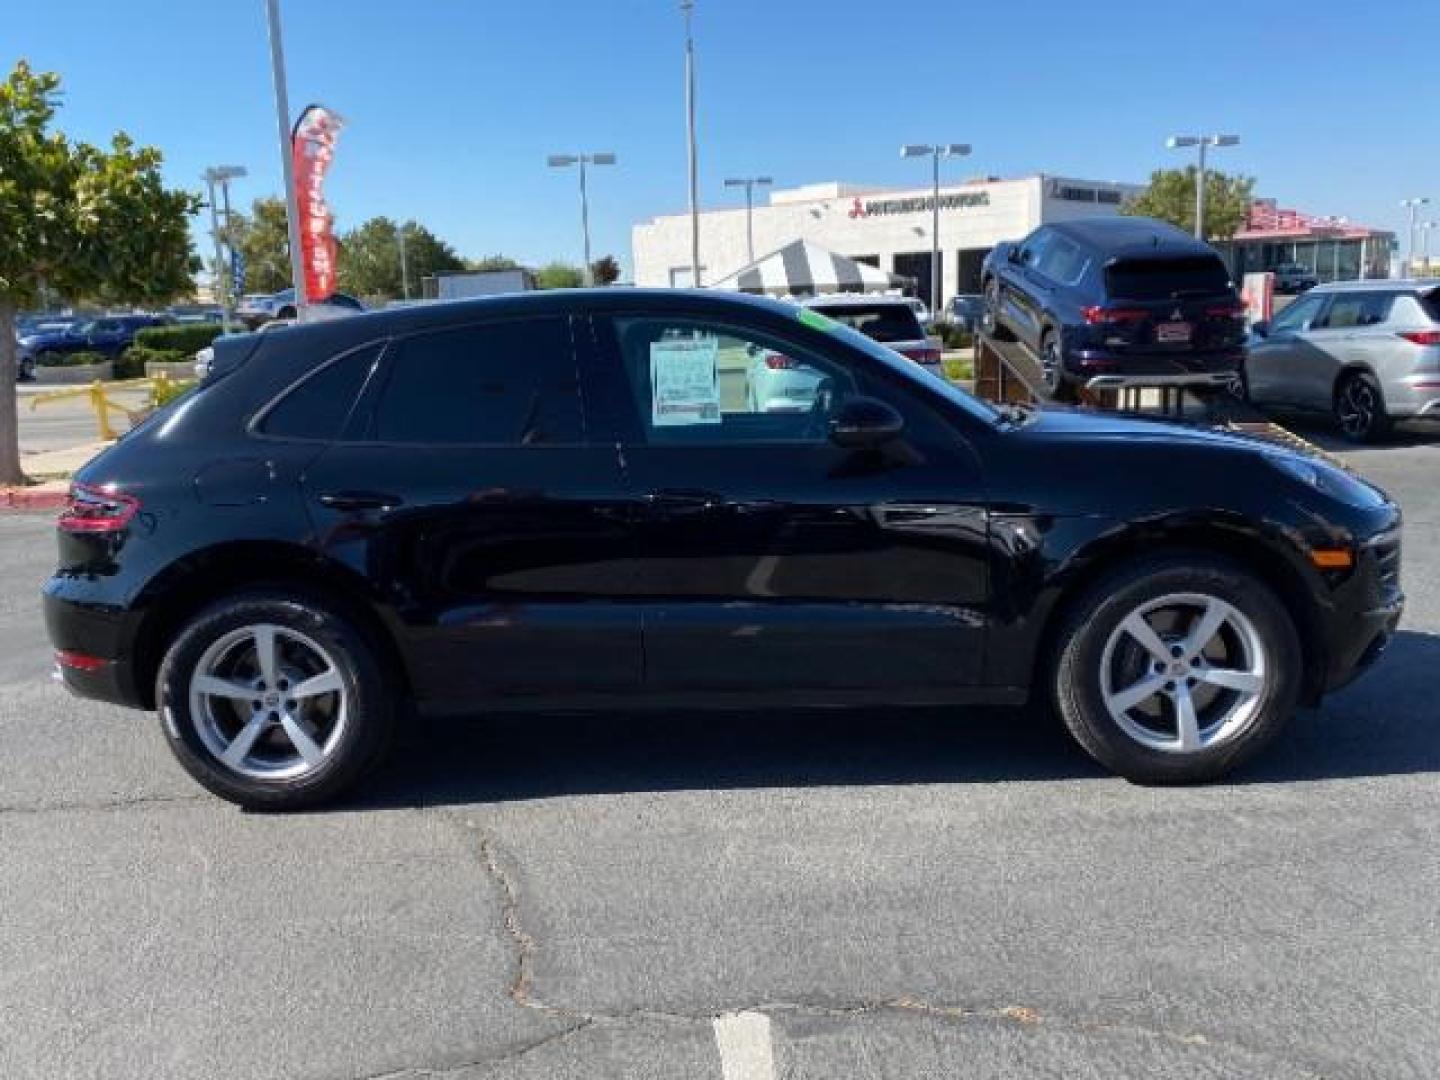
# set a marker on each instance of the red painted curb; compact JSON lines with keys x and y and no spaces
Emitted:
{"x":36,"y":498}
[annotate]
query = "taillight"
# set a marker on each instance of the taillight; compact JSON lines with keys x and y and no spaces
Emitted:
{"x":1102,"y":315}
{"x":1422,"y":337}
{"x":95,"y":510}
{"x":1226,"y":311}
{"x":779,"y":361}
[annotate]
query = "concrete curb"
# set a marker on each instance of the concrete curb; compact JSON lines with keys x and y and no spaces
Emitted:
{"x":47,"y":496}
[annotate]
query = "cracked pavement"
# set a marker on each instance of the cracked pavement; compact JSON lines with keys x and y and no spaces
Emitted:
{"x":900,"y":894}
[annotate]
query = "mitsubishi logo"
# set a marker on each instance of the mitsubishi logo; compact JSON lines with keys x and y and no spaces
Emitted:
{"x":1176,"y":315}
{"x":857,"y":209}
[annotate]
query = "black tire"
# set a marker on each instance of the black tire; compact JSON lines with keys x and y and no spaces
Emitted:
{"x":356,"y":744}
{"x":1359,"y":409}
{"x":990,"y":320}
{"x":1052,"y":370}
{"x":1080,"y":661}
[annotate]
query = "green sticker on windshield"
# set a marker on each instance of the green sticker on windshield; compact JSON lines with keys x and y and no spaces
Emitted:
{"x":813,"y":319}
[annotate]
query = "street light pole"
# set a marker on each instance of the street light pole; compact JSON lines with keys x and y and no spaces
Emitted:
{"x":564,"y":161}
{"x":749,"y":183}
{"x":404,"y":261}
{"x":688,"y":7}
{"x":935,"y":153}
{"x":222,"y":175}
{"x":1202,"y":143}
{"x":282,"y":121}
{"x":1413,"y":205}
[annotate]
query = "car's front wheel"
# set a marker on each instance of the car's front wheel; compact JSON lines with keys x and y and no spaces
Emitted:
{"x":1360,"y":409}
{"x":1176,"y":669}
{"x":274,"y":702}
{"x":990,"y":317}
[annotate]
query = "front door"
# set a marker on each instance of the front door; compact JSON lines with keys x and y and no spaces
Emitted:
{"x":471,"y":491}
{"x":1279,"y":365}
{"x":773,"y":559}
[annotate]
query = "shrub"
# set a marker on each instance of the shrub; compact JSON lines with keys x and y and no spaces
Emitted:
{"x":957,"y":370}
{"x":955,"y":337}
{"x":188,"y":339}
{"x":164,"y":391}
{"x":74,"y":359}
{"x":131,"y":363}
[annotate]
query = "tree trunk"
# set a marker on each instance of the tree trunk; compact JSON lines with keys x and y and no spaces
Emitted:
{"x":9,"y":417}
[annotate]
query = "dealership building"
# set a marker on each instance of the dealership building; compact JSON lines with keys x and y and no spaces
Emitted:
{"x":886,"y":228}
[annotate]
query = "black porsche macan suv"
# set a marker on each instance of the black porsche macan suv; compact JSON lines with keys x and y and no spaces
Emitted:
{"x":562,"y":499}
{"x":1106,"y":299}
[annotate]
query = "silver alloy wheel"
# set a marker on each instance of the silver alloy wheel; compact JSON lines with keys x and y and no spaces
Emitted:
{"x":1184,"y":673}
{"x":268,"y":702}
{"x":1356,"y":407}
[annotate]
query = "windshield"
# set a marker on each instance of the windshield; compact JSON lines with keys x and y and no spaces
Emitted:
{"x":882,"y":322}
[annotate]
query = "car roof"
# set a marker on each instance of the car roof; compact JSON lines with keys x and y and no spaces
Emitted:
{"x":1380,"y":284}
{"x":1129,"y":237}
{"x":830,"y":299}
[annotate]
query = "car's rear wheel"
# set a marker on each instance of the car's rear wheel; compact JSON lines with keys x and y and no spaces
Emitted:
{"x":1360,"y":408}
{"x":274,"y":702}
{"x":1177,"y":669}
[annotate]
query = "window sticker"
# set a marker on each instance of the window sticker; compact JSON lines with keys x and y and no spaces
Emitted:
{"x":684,"y":384}
{"x":816,"y":321}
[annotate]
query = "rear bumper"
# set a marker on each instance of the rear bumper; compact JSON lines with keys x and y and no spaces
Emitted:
{"x":1415,"y":395}
{"x":1085,"y":363}
{"x":104,"y":636}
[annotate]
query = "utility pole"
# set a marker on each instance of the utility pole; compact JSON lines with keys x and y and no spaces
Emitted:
{"x":283,"y":122}
{"x":749,"y":183}
{"x":688,"y":7}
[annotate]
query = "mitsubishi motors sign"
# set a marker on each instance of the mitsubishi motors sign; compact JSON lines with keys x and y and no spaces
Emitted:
{"x":312,"y":146}
{"x":865,"y":208}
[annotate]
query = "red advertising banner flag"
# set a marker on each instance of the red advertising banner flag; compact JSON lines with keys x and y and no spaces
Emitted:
{"x":312,"y":146}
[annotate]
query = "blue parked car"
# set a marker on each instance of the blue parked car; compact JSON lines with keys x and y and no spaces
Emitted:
{"x":109,"y":336}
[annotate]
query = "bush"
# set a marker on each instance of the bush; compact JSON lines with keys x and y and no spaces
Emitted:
{"x":188,"y":339}
{"x":74,"y":359}
{"x":131,"y":363}
{"x":959,"y":370}
{"x":165,"y":391}
{"x":955,"y":337}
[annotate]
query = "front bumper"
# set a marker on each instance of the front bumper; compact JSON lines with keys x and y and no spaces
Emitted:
{"x":1367,"y":609}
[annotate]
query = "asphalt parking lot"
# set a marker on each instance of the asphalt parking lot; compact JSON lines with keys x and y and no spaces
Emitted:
{"x":887,"y":895}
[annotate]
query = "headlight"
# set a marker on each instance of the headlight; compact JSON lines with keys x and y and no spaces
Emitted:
{"x":1327,"y":479}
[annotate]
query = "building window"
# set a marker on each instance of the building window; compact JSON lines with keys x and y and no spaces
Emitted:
{"x":916,"y":265}
{"x":868,"y":260}
{"x":681,"y":278}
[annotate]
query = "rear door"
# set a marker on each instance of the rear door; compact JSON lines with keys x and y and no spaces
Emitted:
{"x":774,"y":560}
{"x":1276,"y":364}
{"x":1353,"y":333}
{"x":473,"y":492}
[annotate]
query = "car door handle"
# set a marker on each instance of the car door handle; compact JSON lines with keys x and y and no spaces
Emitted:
{"x":360,"y":500}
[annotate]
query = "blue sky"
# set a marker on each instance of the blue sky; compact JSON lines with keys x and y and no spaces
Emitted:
{"x":453,"y":104}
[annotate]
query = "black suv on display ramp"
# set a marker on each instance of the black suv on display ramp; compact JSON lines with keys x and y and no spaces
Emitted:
{"x":1108,"y":302}
{"x":562,"y":499}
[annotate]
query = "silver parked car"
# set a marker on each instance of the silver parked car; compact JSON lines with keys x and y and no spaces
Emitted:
{"x":1368,"y":352}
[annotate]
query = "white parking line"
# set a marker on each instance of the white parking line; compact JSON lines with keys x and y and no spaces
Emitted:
{"x":744,"y":1042}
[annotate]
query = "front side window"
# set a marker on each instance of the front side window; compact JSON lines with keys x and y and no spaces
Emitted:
{"x":1063,"y":262}
{"x":1299,"y":315}
{"x":511,"y":383}
{"x":1034,"y":249}
{"x":695,"y":382}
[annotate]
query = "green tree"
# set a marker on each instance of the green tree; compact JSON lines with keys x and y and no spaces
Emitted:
{"x":369,"y":262}
{"x":491,"y":263}
{"x":605,"y":270}
{"x":1170,"y":197}
{"x":559,"y":275}
{"x":77,"y":222}
{"x":263,"y":237}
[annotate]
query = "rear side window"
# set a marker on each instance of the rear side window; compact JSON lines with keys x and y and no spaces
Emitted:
{"x":878,"y":322}
{"x":507,"y":383}
{"x":318,"y":406}
{"x":1167,"y":279}
{"x":1430,"y":301}
{"x":1350,"y":310}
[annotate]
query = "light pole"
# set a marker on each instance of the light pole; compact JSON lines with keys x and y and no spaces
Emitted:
{"x":1425,"y":227}
{"x":222,"y":175}
{"x":935,"y":153}
{"x":749,"y":183}
{"x":282,"y":121}
{"x":404,"y":261}
{"x":688,"y":7}
{"x":1203,"y":142}
{"x":1413,"y":205}
{"x":564,"y":161}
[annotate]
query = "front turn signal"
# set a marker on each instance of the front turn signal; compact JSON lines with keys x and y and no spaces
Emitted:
{"x":1332,"y":558}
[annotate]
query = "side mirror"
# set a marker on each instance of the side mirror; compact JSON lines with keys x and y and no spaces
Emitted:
{"x":1013,"y":255}
{"x":1260,"y":328}
{"x":863,"y":422}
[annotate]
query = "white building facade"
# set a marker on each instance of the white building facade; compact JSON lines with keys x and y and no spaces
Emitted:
{"x":887,"y":228}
